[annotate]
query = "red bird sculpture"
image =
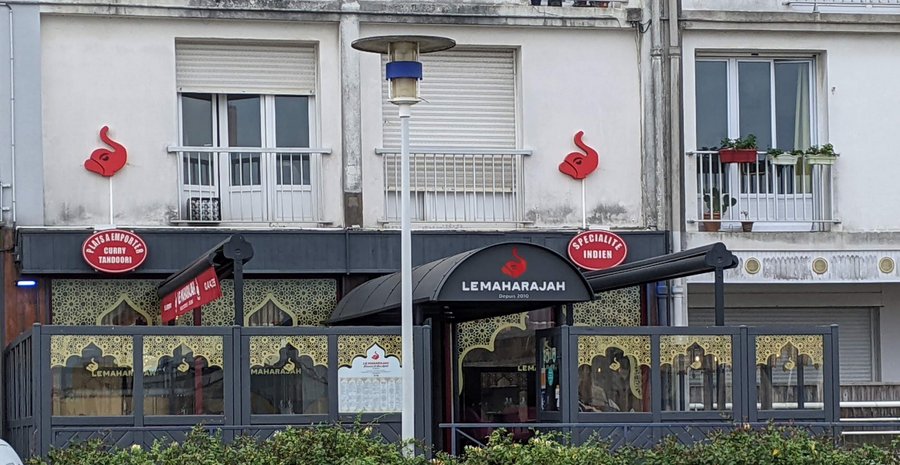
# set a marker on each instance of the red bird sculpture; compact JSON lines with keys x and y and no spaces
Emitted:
{"x":515,"y":268}
{"x":107,"y":162}
{"x":580,"y":165}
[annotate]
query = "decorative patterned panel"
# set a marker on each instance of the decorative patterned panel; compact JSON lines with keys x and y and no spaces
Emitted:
{"x":120,"y":348}
{"x":212,"y":348}
{"x":350,"y":347}
{"x":481,"y":334}
{"x":635,"y":348}
{"x":266,"y":350}
{"x":670,"y":347}
{"x":621,"y":307}
{"x":809,"y":345}
{"x":85,"y":301}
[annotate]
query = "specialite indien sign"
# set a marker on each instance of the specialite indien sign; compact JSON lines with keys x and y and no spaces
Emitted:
{"x":509,"y":272}
{"x":597,"y":250}
{"x":114,"y":251}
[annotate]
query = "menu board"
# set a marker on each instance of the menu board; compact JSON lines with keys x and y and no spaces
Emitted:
{"x":373,"y":384}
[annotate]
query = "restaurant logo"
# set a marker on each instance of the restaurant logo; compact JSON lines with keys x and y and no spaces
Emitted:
{"x":114,"y":251}
{"x":516,"y":267}
{"x":104,"y":161}
{"x":597,"y":250}
{"x":579,"y":165}
{"x":289,"y":368}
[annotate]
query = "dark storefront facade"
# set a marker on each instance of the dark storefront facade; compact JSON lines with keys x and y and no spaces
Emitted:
{"x":509,"y":332}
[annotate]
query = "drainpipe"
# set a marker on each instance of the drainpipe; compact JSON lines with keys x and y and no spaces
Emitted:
{"x":12,"y":120}
{"x":676,"y":160}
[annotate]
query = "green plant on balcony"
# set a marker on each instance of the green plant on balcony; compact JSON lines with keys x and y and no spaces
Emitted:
{"x":740,"y":150}
{"x":716,"y":204}
{"x":824,"y":155}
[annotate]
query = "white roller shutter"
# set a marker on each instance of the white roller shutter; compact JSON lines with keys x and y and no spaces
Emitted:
{"x":245,"y":68}
{"x":855,"y":331}
{"x":470,"y":102}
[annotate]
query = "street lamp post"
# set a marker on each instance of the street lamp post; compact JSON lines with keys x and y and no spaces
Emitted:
{"x":404,"y":71}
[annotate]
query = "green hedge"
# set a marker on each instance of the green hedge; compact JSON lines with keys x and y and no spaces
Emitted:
{"x":334,"y":445}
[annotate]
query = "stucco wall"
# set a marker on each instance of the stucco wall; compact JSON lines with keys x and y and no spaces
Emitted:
{"x":569,"y":80}
{"x":121,"y":72}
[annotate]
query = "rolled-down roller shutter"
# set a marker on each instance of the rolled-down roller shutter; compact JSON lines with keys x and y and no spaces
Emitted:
{"x":469,"y":102}
{"x":245,"y":68}
{"x":855,"y":331}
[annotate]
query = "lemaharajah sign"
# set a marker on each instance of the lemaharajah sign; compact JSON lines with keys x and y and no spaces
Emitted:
{"x":515,"y":271}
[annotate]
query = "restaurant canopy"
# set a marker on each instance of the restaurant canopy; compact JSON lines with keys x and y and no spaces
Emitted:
{"x":495,"y":280}
{"x":501,"y":279}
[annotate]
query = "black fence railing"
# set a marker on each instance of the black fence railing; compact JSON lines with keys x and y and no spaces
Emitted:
{"x":139,"y":384}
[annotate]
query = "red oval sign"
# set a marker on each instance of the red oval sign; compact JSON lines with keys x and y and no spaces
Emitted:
{"x":597,"y":250}
{"x":114,"y":251}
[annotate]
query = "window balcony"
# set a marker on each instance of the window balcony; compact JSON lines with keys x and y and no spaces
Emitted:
{"x":758,"y":196}
{"x":482,"y":186}
{"x":249,"y":185}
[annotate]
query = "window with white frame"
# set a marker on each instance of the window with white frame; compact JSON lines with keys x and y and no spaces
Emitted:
{"x":247,"y":111}
{"x":772,"y":98}
{"x":463,"y":135}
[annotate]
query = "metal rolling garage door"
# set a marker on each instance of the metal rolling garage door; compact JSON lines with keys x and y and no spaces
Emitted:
{"x":470,"y":102}
{"x":856,"y":331}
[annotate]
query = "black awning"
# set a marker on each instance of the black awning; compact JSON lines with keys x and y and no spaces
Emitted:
{"x":671,"y":266}
{"x":495,"y":280}
{"x":221,"y":258}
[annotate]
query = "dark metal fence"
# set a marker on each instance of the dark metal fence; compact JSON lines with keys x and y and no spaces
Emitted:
{"x":37,"y":419}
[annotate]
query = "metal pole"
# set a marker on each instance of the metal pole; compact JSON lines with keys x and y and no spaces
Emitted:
{"x":719,"y":290}
{"x":406,"y":324}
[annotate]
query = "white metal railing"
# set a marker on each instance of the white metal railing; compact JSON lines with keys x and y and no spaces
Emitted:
{"x":249,"y":184}
{"x":457,"y":185}
{"x":797,"y":196}
{"x":863,"y":3}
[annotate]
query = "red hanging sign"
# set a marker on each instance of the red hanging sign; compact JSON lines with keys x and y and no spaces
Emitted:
{"x":104,"y":161}
{"x":193,"y":294}
{"x":579,"y":165}
{"x":114,"y":251}
{"x":597,"y":250}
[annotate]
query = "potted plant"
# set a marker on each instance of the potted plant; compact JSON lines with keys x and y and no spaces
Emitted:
{"x":780,"y":157}
{"x":746,"y":223}
{"x":823,"y":155}
{"x":716,"y":205}
{"x":740,"y":150}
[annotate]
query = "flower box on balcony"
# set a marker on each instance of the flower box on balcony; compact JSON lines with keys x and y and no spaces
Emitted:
{"x":740,"y":150}
{"x":782,"y":158}
{"x":823,"y":155}
{"x":737,"y":155}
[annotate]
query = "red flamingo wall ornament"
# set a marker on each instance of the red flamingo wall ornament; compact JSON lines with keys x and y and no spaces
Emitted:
{"x":107,"y":162}
{"x":579,"y":165}
{"x":516,"y":267}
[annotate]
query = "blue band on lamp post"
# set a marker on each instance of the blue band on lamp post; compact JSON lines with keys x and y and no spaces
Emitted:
{"x":403,"y":69}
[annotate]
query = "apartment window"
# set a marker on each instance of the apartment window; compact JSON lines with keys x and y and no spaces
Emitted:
{"x":255,"y":102}
{"x":774,"y":100}
{"x":770,"y":98}
{"x":463,"y":139}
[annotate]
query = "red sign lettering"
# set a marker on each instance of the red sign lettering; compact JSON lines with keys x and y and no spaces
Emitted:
{"x":114,"y":251}
{"x":597,"y":250}
{"x":193,"y":294}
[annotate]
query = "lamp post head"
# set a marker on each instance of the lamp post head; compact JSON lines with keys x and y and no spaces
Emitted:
{"x":403,"y":68}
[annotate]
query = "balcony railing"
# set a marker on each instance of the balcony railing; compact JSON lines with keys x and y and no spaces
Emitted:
{"x":457,"y":186}
{"x":758,"y":196}
{"x":842,"y":3}
{"x":249,"y":184}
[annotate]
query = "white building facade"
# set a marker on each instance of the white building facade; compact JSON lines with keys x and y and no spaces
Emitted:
{"x":816,"y":243}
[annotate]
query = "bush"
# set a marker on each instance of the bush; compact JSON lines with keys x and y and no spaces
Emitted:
{"x":336,"y":445}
